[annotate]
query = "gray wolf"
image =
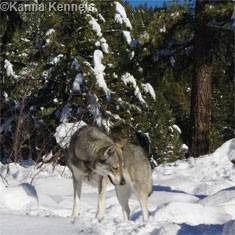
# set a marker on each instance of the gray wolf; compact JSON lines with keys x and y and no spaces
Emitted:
{"x":95,"y":158}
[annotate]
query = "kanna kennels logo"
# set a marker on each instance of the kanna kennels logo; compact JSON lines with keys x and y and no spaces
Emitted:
{"x":80,"y":6}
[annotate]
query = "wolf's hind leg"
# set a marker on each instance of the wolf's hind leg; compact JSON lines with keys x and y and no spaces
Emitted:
{"x":143,"y":199}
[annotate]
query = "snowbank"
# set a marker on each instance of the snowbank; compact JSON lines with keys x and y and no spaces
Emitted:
{"x":193,"y":196}
{"x":20,"y":197}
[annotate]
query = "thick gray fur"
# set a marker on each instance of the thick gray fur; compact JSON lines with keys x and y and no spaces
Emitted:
{"x":95,"y":158}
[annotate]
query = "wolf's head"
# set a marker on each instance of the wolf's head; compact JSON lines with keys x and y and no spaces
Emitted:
{"x":111,"y":163}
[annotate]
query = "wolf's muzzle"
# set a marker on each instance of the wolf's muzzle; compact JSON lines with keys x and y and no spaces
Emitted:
{"x":123,"y":182}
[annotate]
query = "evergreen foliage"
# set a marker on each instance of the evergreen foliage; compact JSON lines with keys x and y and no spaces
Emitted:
{"x":123,"y":73}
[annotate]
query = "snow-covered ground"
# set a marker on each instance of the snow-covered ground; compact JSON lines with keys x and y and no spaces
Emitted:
{"x":194,"y":196}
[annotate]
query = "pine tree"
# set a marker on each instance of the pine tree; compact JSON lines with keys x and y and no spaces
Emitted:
{"x":63,"y":58}
{"x":201,"y":84}
{"x":126,"y":70}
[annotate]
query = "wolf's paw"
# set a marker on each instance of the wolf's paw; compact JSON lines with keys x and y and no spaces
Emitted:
{"x":99,"y":217}
{"x":74,"y":217}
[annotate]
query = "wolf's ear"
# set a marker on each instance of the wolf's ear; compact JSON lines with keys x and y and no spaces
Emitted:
{"x":110,"y":150}
{"x":121,"y":143}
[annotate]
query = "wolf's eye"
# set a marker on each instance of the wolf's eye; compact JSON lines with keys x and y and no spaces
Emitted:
{"x":102,"y":161}
{"x":114,"y":168}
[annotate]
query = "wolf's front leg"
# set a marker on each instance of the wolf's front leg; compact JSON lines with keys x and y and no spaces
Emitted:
{"x":77,"y":187}
{"x":123,"y":195}
{"x":102,"y":185}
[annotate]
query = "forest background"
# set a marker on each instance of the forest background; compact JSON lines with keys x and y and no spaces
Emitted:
{"x":128,"y":70}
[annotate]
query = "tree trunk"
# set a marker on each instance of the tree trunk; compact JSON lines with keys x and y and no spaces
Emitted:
{"x":201,"y":85}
